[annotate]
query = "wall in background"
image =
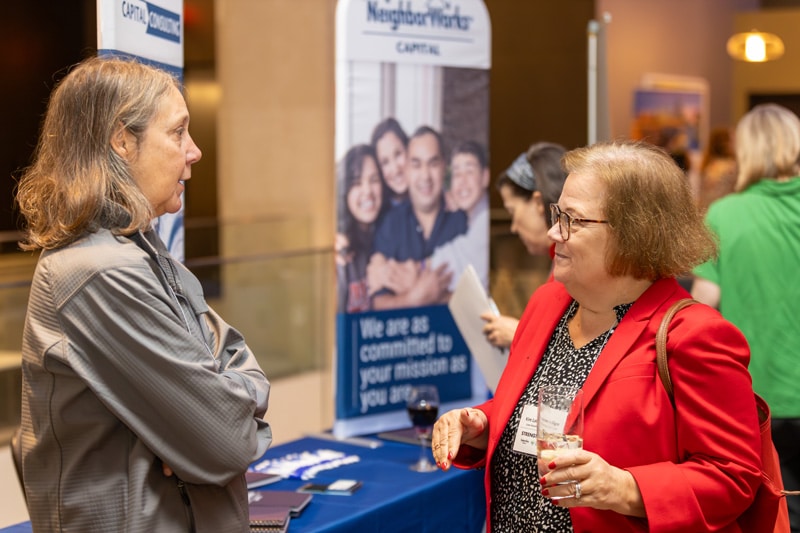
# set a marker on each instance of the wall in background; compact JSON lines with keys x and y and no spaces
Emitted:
{"x":781,"y":76}
{"x":678,"y":37}
{"x":36,"y":45}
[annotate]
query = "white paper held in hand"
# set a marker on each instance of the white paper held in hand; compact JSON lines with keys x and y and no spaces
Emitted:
{"x":467,"y":303}
{"x":494,"y":308}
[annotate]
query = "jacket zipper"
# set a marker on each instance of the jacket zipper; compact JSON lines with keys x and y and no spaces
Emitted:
{"x":188,"y":503}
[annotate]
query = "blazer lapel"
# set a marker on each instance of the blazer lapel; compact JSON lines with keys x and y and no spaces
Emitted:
{"x":629,"y":330}
{"x":533,"y":340}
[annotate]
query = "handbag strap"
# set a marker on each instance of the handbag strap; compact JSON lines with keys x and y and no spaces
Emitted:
{"x":661,"y":359}
{"x":661,"y":345}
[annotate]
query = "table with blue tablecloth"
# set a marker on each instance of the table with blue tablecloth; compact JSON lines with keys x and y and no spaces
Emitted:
{"x":393,"y":498}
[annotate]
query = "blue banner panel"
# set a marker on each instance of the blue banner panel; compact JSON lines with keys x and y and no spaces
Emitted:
{"x":385,"y":353}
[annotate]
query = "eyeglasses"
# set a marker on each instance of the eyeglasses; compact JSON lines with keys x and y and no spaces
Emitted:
{"x":565,"y":220}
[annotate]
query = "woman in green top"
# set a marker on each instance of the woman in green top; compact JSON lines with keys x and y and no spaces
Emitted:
{"x":753,"y":281}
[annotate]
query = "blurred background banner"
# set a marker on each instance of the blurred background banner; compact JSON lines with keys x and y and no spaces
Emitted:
{"x":151,"y":32}
{"x":402,"y":65}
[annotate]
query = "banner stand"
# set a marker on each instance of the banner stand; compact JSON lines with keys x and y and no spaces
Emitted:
{"x":412,"y":129}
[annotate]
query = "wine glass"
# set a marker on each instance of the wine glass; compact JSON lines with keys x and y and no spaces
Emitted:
{"x":423,"y":407}
{"x":559,"y":425}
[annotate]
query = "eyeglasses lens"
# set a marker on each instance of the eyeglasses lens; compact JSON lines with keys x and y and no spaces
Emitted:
{"x":562,"y":219}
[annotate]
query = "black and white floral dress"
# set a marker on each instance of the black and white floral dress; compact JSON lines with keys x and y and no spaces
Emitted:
{"x":517,"y":503}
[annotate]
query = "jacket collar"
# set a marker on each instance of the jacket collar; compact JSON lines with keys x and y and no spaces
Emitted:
{"x":631,"y":328}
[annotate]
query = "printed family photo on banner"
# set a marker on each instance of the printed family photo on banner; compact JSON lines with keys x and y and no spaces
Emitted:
{"x":412,"y":176}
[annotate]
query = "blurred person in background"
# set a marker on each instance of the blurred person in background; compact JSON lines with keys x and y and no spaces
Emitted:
{"x":718,"y":168}
{"x":527,"y":188}
{"x":754,"y":281}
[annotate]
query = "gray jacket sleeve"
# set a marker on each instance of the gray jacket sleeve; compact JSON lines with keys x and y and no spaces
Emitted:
{"x":196,"y":403}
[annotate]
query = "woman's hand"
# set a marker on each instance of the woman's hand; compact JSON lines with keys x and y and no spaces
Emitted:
{"x":583,"y":479}
{"x":457,"y":427}
{"x":499,"y":330}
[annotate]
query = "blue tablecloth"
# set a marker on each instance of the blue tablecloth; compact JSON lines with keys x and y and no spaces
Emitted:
{"x":392,"y":499}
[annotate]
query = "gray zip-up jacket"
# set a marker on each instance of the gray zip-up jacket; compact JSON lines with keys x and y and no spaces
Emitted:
{"x":126,"y":368}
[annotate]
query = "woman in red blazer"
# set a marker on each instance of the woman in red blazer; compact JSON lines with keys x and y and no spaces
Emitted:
{"x":624,"y":226}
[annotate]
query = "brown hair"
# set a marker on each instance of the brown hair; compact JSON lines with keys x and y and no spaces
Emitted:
{"x":77,"y":182}
{"x":656,"y":231}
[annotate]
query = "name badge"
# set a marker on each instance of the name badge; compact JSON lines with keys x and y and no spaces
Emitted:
{"x":525,"y":440}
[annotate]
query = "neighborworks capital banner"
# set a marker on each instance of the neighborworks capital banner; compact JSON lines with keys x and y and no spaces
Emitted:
{"x":412,"y":172}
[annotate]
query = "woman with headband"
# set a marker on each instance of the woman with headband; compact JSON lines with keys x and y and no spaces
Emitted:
{"x":528,"y":187}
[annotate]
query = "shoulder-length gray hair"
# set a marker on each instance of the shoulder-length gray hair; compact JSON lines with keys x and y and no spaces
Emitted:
{"x":77,"y":183}
{"x":767,"y":144}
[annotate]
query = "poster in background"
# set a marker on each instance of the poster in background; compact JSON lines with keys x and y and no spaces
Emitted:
{"x":409,"y":74}
{"x":672,"y":112}
{"x":151,"y":32}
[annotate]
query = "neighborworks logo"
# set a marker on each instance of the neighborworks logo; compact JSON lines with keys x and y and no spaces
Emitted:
{"x":437,"y":15}
{"x":159,"y":21}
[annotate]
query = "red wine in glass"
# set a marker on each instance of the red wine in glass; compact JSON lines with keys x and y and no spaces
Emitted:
{"x":423,"y":416}
{"x":423,"y":408}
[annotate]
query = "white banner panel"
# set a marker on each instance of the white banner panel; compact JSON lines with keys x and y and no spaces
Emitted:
{"x":454,"y":33}
{"x":151,"y":32}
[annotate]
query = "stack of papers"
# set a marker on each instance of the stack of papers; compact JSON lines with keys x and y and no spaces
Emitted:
{"x":269,"y":519}
{"x":294,"y":502}
{"x":468,"y":302}
{"x":259,"y":479}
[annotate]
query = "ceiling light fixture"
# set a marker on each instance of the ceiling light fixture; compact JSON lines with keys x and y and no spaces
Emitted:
{"x":755,"y":46}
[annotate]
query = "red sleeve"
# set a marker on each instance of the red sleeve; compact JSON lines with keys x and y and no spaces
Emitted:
{"x":718,"y":441}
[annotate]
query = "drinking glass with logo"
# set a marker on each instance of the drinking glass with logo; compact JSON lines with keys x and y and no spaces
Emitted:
{"x":423,"y":407}
{"x":559,"y":424}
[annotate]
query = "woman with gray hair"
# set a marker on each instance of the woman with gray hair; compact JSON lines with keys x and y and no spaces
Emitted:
{"x":753,"y":281}
{"x":141,"y":407}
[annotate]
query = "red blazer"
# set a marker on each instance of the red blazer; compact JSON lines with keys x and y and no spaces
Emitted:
{"x":697,"y":471}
